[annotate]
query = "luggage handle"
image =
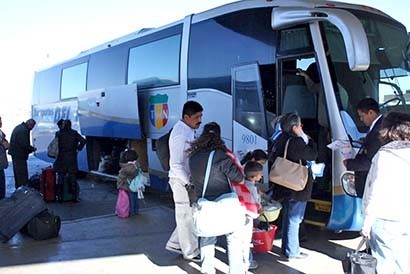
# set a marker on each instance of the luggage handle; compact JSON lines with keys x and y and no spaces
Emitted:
{"x":365,"y":240}
{"x":267,"y":228}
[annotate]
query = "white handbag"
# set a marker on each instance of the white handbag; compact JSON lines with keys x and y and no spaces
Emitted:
{"x":289,"y":174}
{"x":220,"y":217}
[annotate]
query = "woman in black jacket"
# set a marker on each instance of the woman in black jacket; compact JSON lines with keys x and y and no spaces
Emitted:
{"x":70,"y":142}
{"x":300,"y":148}
{"x":222,"y":170}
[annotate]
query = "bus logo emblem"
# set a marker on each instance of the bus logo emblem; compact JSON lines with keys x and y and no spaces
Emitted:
{"x":158,"y":110}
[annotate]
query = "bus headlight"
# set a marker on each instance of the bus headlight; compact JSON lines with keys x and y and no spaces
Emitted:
{"x":348,"y":183}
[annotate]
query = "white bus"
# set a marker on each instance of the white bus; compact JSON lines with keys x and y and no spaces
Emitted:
{"x":239,"y":61}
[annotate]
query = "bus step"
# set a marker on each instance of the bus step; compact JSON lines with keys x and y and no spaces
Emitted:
{"x":318,"y":212}
{"x":314,"y":223}
{"x":321,"y":205}
{"x":103,"y":174}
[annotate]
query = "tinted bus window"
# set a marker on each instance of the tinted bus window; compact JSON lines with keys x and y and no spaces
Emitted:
{"x":295,"y":40}
{"x":47,"y":86}
{"x":107,"y":68}
{"x":73,"y":81}
{"x":155,"y":64}
{"x":218,"y":44}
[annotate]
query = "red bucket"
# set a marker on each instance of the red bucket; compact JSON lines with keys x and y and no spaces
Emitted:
{"x":263,"y":240}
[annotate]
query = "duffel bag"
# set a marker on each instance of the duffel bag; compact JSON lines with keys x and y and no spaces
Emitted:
{"x":44,"y":226}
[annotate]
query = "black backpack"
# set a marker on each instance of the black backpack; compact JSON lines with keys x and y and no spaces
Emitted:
{"x":162,"y":146}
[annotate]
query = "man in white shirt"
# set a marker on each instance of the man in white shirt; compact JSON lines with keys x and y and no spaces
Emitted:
{"x":183,"y":240}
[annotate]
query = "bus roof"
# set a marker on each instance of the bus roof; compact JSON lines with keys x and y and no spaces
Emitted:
{"x":224,"y":9}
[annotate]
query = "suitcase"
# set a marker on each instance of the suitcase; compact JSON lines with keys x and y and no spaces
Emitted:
{"x":43,"y":226}
{"x":48,"y":184}
{"x":18,"y":210}
{"x":68,"y":188}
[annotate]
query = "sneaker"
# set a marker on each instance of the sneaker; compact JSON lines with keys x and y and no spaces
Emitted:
{"x":172,"y":249}
{"x":300,"y":256}
{"x":253,"y":265}
{"x":196,"y":259}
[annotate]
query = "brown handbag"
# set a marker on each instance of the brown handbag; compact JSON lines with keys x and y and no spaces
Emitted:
{"x":287,"y":173}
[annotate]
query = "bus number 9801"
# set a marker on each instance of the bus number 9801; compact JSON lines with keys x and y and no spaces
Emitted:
{"x":249,"y":139}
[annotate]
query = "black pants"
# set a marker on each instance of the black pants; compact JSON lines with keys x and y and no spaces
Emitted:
{"x":20,"y":172}
{"x":2,"y":184}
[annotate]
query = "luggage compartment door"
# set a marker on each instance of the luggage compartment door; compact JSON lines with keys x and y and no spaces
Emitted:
{"x":110,"y":112}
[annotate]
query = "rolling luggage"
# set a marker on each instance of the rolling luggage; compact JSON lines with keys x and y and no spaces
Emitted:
{"x":68,"y":188}
{"x":48,"y":184}
{"x":43,"y":226}
{"x":18,"y":210}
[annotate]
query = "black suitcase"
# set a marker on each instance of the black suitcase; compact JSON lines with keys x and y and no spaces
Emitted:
{"x":68,"y":188}
{"x":43,"y":226}
{"x":18,"y":210}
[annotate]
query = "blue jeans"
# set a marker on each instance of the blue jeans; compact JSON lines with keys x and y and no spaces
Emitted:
{"x":390,"y":242}
{"x":134,"y":203}
{"x":236,"y":258}
{"x":293,"y":213}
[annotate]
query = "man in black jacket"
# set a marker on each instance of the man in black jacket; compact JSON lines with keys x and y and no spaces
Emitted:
{"x":19,"y":150}
{"x":368,"y":110}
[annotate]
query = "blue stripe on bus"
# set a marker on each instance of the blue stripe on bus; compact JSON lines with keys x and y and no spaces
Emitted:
{"x":346,"y":213}
{"x":92,"y":126}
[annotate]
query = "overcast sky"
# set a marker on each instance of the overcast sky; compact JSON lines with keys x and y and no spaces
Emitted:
{"x":38,"y":33}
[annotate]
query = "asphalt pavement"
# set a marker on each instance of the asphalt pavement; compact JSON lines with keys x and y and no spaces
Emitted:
{"x":94,"y":240}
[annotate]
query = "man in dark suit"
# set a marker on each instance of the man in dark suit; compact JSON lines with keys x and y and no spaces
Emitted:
{"x":19,"y":150}
{"x":368,"y":111}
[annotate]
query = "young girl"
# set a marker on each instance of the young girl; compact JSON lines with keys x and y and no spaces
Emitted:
{"x":129,"y":179}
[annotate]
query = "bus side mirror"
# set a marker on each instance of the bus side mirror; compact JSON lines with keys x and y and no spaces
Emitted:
{"x":354,"y":36}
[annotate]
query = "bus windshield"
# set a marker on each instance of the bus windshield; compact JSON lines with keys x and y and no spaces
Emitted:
{"x":387,"y":79}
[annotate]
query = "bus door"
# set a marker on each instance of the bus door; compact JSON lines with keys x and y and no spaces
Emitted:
{"x":108,"y":117}
{"x":249,"y":120}
{"x":297,"y":96}
{"x":110,"y":112}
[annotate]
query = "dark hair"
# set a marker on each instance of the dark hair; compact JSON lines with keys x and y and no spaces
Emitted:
{"x":257,"y":155}
{"x":67,"y":124}
{"x":190,"y":108}
{"x":288,"y":121}
{"x":128,"y":155}
{"x":395,"y":127}
{"x":367,"y":104}
{"x":252,"y":169}
{"x":313,"y":73}
{"x":210,"y":139}
{"x":60,"y":123}
{"x":31,"y":121}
